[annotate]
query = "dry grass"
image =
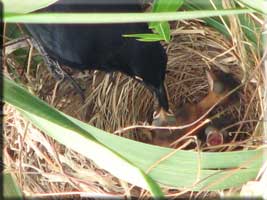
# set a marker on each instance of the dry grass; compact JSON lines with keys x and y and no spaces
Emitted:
{"x":114,"y":101}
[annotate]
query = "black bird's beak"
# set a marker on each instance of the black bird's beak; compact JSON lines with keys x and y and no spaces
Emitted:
{"x":161,"y":95}
{"x":162,"y":117}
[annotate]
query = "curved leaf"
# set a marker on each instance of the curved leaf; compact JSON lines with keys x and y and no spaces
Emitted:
{"x":11,"y":188}
{"x":26,"y":6}
{"x":258,"y":5}
{"x":129,"y":159}
{"x":67,"y":132}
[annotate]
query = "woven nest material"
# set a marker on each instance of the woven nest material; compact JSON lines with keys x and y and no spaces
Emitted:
{"x":114,"y":101}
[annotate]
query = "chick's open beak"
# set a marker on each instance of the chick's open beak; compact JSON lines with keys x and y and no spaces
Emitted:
{"x":214,"y":136}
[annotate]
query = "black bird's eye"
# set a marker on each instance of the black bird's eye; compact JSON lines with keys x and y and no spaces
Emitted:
{"x":138,"y":78}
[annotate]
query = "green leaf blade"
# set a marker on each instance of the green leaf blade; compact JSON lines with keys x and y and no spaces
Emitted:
{"x":167,"y":5}
{"x":258,"y":5}
{"x":73,"y":136}
{"x":98,"y":18}
{"x":26,"y":6}
{"x":11,"y":188}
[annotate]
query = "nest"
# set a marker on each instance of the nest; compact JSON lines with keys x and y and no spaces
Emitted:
{"x":115,"y":101}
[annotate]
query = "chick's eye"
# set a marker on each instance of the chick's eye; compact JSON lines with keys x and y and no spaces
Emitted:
{"x":209,"y":129}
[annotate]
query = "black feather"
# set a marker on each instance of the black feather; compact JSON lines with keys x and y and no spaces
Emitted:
{"x":101,"y":46}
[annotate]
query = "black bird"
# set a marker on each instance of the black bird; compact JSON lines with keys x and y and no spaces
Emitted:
{"x":102,"y":46}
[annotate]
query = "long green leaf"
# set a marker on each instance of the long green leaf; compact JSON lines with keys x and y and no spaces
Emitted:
{"x":166,"y":5}
{"x":11,"y":189}
{"x":25,"y":6}
{"x":70,"y":134}
{"x":250,"y":29}
{"x":258,"y":5}
{"x":97,"y":18}
{"x":146,"y":37}
{"x":181,"y":169}
{"x":211,"y":21}
{"x":163,"y":28}
{"x":184,"y":169}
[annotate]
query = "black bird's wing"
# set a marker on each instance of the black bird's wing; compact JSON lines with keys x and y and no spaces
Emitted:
{"x":101,"y":46}
{"x":86,"y":45}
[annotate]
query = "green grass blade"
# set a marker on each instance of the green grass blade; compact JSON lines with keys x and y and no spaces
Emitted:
{"x":163,"y":29}
{"x":162,"y":32}
{"x":204,"y":4}
{"x":25,"y":6}
{"x":180,"y":170}
{"x":101,"y":155}
{"x":250,"y":28}
{"x":258,"y":5}
{"x":97,"y":18}
{"x":65,"y":131}
{"x":211,"y":21}
{"x":184,"y":169}
{"x":158,"y":21}
{"x":166,"y":5}
{"x":11,"y":189}
{"x":146,"y":37}
{"x":159,"y":38}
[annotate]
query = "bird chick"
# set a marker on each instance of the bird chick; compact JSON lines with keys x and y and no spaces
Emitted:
{"x":219,"y":85}
{"x":213,"y":136}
